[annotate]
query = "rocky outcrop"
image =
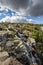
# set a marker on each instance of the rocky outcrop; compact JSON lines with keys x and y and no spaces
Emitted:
{"x":18,"y":45}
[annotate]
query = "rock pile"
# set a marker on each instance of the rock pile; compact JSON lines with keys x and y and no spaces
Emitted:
{"x":21,"y":47}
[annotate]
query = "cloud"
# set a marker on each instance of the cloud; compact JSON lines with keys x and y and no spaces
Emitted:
{"x":13,"y":19}
{"x":16,"y":19}
{"x":9,"y":15}
{"x":25,"y":7}
{"x":4,"y":11}
{"x":7,"y":18}
{"x":37,"y":8}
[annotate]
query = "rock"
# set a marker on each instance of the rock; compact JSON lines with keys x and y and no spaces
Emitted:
{"x":16,"y":38}
{"x":42,"y":28}
{"x":6,"y":62}
{"x":10,"y":61}
{"x":34,"y":64}
{"x":3,"y":36}
{"x":9,"y":44}
{"x":32,"y":41}
{"x":2,"y":54}
{"x":0,"y":48}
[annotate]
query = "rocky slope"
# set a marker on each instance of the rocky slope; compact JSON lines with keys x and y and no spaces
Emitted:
{"x":18,"y":46}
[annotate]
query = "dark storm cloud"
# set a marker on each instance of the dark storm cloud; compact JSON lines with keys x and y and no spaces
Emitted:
{"x":36,"y":9}
{"x":28,"y":7}
{"x":18,"y":3}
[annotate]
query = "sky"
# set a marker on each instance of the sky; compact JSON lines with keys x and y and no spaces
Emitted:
{"x":22,"y":10}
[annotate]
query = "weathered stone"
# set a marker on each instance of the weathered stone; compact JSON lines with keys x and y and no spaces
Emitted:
{"x":32,"y":40}
{"x":2,"y":54}
{"x":3,"y":36}
{"x":9,"y":44}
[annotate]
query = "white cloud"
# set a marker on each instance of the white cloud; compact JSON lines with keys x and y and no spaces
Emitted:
{"x":16,"y":19}
{"x":31,"y":21}
{"x":1,"y":8}
{"x":12,"y":14}
{"x":13,"y":19}
{"x":6,"y":9}
{"x":7,"y":18}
